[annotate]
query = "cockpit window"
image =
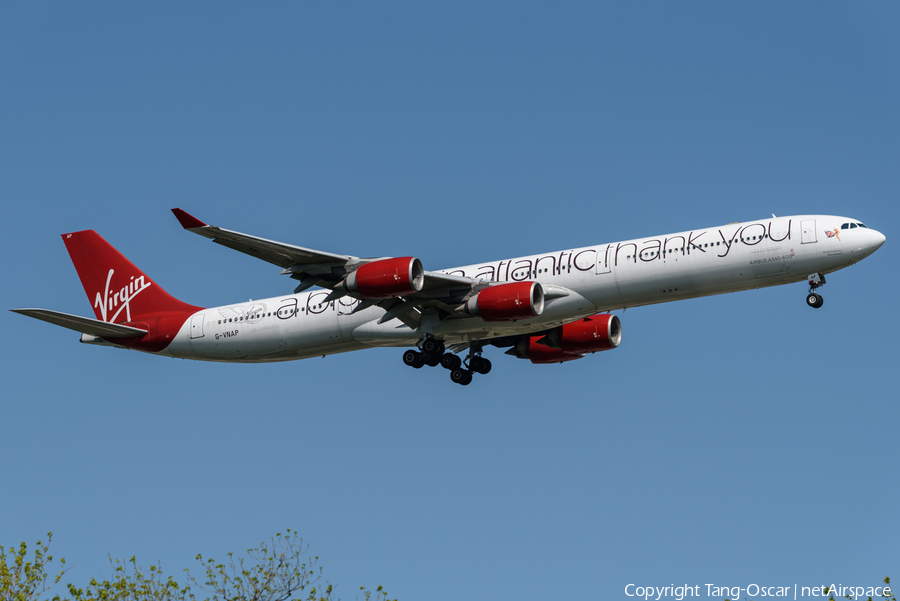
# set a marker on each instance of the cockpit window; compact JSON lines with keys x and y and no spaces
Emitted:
{"x":846,"y":226}
{"x":861,"y":225}
{"x":852,"y":226}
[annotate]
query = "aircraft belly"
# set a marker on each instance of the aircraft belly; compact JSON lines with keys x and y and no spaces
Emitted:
{"x":390,"y":333}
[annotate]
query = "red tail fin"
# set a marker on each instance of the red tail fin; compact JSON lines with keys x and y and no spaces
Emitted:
{"x":118,"y":291}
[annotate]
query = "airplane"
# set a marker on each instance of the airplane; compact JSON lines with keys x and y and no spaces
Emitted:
{"x":547,"y":308}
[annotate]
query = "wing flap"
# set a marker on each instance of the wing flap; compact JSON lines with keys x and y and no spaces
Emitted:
{"x":85,"y":325}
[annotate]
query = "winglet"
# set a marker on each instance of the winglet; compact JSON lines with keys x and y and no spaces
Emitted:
{"x":187,"y":220}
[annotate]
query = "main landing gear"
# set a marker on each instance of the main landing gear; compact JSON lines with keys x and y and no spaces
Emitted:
{"x":813,"y":299}
{"x":432,"y":354}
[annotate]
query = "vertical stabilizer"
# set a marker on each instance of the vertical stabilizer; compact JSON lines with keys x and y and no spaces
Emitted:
{"x":118,"y":291}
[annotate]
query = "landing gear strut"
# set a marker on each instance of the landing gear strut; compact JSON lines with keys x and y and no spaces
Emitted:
{"x":432,"y":354}
{"x":813,"y":299}
{"x":474,"y":364}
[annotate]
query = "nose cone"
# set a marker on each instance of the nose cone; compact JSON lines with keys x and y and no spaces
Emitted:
{"x":877,"y":240}
{"x":872,"y":242}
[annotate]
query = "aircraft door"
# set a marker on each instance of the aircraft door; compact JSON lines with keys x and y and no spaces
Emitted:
{"x":197,"y":325}
{"x":807,"y":231}
{"x":604,"y":260}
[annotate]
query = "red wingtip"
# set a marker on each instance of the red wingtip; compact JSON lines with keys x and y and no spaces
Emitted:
{"x":187,"y":220}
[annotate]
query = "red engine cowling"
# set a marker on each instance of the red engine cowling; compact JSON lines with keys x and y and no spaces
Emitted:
{"x":387,"y":278}
{"x":508,"y":302}
{"x":529,"y":348}
{"x":589,"y":335}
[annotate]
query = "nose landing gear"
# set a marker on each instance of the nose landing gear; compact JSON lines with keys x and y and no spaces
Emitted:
{"x":813,"y":299}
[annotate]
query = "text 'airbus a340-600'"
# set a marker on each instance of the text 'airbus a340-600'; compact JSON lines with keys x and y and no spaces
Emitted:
{"x":547,"y":308}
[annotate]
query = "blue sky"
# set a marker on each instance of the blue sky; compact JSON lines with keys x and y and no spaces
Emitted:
{"x":731,"y":440}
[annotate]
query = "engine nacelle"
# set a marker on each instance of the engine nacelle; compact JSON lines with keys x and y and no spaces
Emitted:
{"x":387,"y":278}
{"x":529,"y":348}
{"x":508,"y":302}
{"x":589,"y":335}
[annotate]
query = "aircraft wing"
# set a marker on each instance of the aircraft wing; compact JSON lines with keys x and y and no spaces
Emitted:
{"x":85,"y":325}
{"x":286,"y":256}
{"x":314,"y":267}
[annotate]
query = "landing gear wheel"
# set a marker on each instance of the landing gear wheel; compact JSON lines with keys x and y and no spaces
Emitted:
{"x":450,"y":361}
{"x":433,"y":360}
{"x":815,"y":281}
{"x":461,"y":376}
{"x":480,"y":365}
{"x":433,"y":346}
{"x":414,"y":358}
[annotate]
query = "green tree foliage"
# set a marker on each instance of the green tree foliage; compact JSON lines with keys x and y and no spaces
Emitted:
{"x":22,"y":579}
{"x":130,"y":582}
{"x":276,"y":570}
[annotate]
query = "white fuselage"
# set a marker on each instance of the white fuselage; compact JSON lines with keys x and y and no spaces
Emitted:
{"x":578,"y":283}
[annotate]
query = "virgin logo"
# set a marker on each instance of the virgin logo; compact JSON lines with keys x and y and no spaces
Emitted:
{"x":117,"y":301}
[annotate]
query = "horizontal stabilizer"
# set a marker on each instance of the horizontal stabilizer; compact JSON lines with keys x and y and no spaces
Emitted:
{"x":85,"y":325}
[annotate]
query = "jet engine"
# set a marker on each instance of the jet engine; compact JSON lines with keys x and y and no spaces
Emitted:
{"x":571,"y":341}
{"x":589,"y":335}
{"x":508,"y":302}
{"x":387,"y":278}
{"x":529,"y":348}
